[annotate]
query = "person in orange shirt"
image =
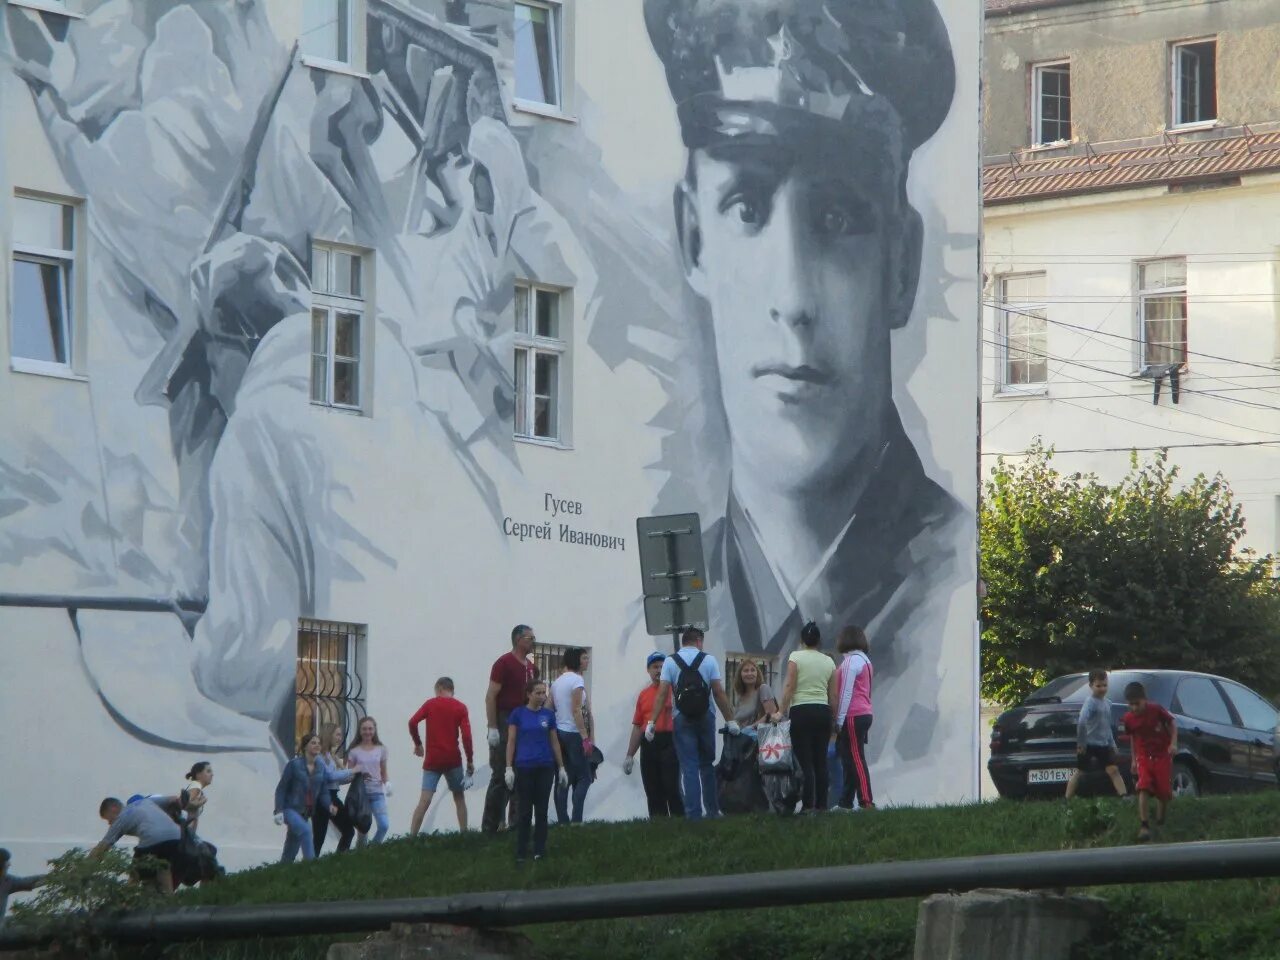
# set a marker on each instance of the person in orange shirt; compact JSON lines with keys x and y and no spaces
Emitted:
{"x":659,"y":766}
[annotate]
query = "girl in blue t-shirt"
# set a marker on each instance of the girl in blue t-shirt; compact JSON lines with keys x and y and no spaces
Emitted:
{"x":533,"y":761}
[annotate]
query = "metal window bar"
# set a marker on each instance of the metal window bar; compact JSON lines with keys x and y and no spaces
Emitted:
{"x":329,"y":687}
{"x":548,"y":658}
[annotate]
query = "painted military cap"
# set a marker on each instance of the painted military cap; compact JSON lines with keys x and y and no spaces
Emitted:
{"x":763,"y":68}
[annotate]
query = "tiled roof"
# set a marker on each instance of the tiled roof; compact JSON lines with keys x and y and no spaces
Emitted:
{"x":1018,"y":178}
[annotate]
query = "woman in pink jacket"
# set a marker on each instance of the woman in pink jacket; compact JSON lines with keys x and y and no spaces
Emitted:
{"x":854,"y":710}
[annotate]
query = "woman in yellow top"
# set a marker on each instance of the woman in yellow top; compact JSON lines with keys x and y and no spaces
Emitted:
{"x":809,"y":699}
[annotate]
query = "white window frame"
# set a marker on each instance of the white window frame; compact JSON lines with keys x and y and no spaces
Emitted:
{"x":534,"y":346}
{"x":66,"y":259}
{"x":1176,"y":120}
{"x":334,"y":303}
{"x":1037,"y":100}
{"x":66,"y":8}
{"x":1003,"y":313}
{"x":556,"y":11}
{"x":1146,"y":293}
{"x":350,"y":61}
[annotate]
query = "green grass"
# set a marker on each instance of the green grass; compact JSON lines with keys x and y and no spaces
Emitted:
{"x":1226,"y":919}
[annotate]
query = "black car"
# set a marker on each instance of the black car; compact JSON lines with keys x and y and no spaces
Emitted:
{"x":1227,"y":735}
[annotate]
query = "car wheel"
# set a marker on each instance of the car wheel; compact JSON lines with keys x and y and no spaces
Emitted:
{"x":1185,"y":784}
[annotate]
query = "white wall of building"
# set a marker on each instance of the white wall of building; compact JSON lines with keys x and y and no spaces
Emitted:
{"x":401,"y":518}
{"x":1088,"y":248}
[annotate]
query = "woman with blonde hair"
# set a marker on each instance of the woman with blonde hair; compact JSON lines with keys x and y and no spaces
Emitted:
{"x":329,"y":809}
{"x":756,"y":700}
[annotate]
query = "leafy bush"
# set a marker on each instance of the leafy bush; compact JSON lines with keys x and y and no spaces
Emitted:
{"x":79,"y":888}
{"x":1148,"y":572}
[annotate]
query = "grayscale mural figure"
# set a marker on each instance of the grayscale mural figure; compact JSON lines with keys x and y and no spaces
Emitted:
{"x":302,"y":409}
{"x":416,"y":163}
{"x":800,"y":118}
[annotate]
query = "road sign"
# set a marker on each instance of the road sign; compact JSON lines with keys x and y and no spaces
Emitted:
{"x":673,"y":573}
{"x":672,"y":615}
{"x":671,"y":554}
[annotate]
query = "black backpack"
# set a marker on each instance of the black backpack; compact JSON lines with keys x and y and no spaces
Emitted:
{"x":693,"y":696}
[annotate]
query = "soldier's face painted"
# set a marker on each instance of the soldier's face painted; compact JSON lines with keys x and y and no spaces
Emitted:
{"x":790,"y":248}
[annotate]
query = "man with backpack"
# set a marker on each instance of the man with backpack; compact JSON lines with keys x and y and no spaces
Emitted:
{"x":692,"y":677}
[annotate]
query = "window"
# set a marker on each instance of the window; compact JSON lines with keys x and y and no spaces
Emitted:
{"x":329,"y":688}
{"x":537,"y":52}
{"x":1255,"y":713}
{"x":1199,"y":698}
{"x":1162,"y":309}
{"x":1024,"y":336}
{"x":1051,"y":103}
{"x":540,"y":362}
{"x":549,"y":660}
{"x":43,"y":260}
{"x":327,"y":30}
{"x":768,"y":666}
{"x":337,"y":318}
{"x":1195,"y":82}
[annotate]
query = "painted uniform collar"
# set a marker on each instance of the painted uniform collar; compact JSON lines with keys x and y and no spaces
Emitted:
{"x":858,"y":574}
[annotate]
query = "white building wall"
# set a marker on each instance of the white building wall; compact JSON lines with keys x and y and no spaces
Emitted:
{"x":1088,"y":248}
{"x":389,"y":519}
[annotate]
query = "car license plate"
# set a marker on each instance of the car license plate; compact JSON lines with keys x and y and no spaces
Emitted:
{"x":1054,"y":775}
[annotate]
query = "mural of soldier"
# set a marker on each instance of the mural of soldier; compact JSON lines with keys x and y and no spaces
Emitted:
{"x":800,"y":118}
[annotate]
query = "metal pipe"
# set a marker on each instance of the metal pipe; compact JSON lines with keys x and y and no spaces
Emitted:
{"x":1214,"y":860}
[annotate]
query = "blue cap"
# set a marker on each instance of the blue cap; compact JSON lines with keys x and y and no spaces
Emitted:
{"x":134,"y":799}
{"x":654,"y":657}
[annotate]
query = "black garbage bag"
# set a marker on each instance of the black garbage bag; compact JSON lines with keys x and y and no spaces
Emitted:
{"x":357,"y":805}
{"x":738,"y":778}
{"x":198,"y":860}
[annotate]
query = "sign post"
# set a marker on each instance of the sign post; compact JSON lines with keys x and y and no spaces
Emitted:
{"x":673,"y":574}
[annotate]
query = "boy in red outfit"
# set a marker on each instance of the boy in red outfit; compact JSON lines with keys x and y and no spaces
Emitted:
{"x":1153,"y":740}
{"x":447,"y":720}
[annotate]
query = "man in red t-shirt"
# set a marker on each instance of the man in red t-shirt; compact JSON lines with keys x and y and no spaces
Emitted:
{"x":659,"y":766}
{"x":508,"y":679}
{"x":1153,"y":740}
{"x":447,"y":720}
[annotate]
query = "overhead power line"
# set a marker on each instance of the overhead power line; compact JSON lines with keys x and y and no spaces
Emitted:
{"x":1274,"y":371}
{"x":1163,"y":446}
{"x":1132,"y":396}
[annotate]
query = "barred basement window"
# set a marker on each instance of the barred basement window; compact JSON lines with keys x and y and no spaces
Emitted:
{"x":330,"y":684}
{"x":768,"y":667}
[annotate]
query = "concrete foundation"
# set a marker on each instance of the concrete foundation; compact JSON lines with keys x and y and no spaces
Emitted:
{"x":1004,"y":925}
{"x":434,"y":941}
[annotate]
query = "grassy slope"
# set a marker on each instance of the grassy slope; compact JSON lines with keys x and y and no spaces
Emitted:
{"x":1236,"y":919}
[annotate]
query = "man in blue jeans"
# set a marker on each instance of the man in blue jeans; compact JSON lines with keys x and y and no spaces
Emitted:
{"x":695,"y":724}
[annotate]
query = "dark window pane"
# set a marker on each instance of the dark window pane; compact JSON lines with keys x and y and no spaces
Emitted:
{"x":39,"y":292}
{"x":1255,"y":713}
{"x":347,"y":335}
{"x":544,"y":379}
{"x":1199,"y":698}
{"x":548,"y":313}
{"x":346,"y":383}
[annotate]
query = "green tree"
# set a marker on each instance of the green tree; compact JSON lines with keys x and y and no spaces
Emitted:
{"x":1146,"y":573}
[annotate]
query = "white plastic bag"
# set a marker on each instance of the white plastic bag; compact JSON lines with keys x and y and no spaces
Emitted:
{"x":775,"y":754}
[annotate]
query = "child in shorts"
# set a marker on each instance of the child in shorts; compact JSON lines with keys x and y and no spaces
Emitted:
{"x":1095,"y":740}
{"x":1153,"y":740}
